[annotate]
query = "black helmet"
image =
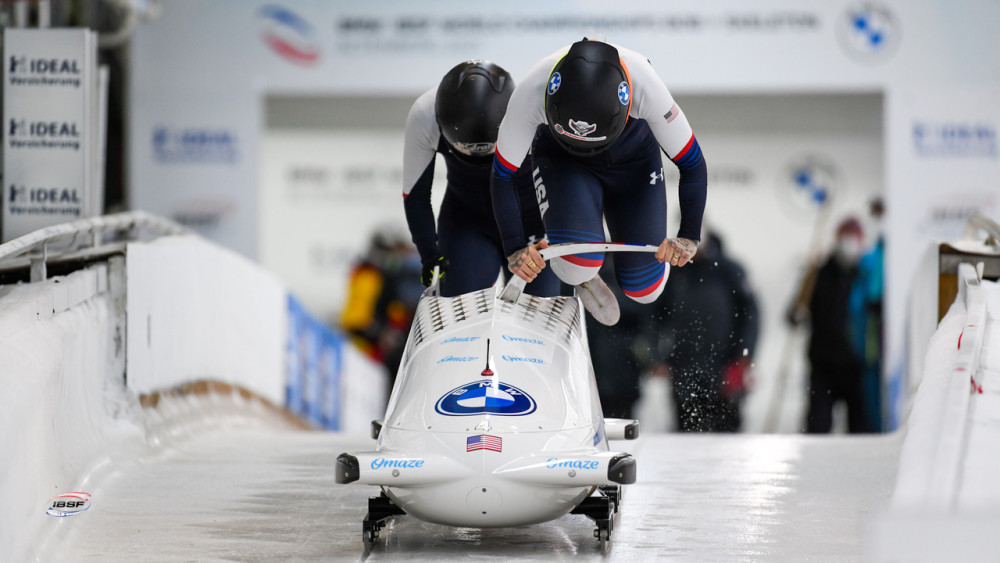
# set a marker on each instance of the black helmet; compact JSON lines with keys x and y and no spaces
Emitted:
{"x":471,"y":102}
{"x":588,"y":97}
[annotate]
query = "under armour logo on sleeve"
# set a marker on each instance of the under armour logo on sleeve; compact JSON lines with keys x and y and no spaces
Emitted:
{"x":654,"y":176}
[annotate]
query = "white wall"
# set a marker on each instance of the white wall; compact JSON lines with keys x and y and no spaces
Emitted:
{"x":199,"y":311}
{"x":58,"y":356}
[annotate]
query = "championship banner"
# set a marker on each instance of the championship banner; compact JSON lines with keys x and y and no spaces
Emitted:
{"x":49,"y":117}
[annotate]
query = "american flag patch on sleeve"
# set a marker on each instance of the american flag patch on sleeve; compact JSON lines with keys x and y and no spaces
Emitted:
{"x":483,"y":442}
{"x":672,"y":114}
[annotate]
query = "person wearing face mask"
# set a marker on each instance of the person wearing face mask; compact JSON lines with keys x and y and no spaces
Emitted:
{"x":835,"y":369}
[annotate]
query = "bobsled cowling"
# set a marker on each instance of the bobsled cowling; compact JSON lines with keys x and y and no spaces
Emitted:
{"x":494,"y":419}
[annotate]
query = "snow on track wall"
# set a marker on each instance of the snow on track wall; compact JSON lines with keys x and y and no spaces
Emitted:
{"x":57,"y":356}
{"x":199,"y":311}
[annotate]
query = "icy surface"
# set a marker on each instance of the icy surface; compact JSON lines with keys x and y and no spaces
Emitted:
{"x":269,"y":495}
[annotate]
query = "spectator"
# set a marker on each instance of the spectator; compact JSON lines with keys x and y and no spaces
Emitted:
{"x":865,"y":305}
{"x":383,"y":291}
{"x":708,"y":327}
{"x":835,"y":370}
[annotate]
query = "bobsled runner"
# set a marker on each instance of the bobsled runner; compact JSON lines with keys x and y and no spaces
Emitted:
{"x":494,"y":419}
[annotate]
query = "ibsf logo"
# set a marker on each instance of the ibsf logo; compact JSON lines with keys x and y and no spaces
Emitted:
{"x":868,"y":32}
{"x":481,"y":397}
{"x":54,"y":67}
{"x":68,"y":504}
{"x":43,"y":129}
{"x":289,"y":35}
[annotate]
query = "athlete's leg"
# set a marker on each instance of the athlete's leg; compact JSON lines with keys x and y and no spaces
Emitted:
{"x":636,"y":212}
{"x":573,"y":205}
{"x":474,"y":257}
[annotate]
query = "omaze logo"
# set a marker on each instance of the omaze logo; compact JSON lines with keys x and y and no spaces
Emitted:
{"x":68,"y":504}
{"x":289,"y":35}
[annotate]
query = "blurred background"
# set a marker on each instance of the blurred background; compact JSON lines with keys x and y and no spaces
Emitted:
{"x":275,"y":128}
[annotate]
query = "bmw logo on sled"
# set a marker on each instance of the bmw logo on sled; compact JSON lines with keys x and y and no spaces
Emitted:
{"x":494,"y":419}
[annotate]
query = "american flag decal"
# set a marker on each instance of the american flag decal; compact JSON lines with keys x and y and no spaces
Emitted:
{"x":672,"y":114}
{"x":483,"y":442}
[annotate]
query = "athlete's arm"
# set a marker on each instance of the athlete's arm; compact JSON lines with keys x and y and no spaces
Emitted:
{"x":654,"y":103}
{"x":419,"y":151}
{"x":524,"y":114}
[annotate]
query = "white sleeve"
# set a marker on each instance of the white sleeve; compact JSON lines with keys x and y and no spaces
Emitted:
{"x":525,"y":111}
{"x":652,"y":101}
{"x":421,"y":140}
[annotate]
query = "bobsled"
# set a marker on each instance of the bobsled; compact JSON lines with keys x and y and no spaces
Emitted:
{"x":494,"y":419}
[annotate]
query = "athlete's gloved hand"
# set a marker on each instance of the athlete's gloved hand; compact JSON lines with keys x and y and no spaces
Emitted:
{"x":427,"y":270}
{"x":676,"y":251}
{"x":527,"y":262}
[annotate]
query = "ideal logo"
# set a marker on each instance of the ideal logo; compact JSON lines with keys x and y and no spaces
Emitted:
{"x":955,"y":139}
{"x":457,"y":359}
{"x":482,"y":397}
{"x":43,"y":66}
{"x":22,"y":195}
{"x":43,"y":129}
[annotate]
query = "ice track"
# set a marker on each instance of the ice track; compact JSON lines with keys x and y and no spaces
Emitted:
{"x":269,"y":495}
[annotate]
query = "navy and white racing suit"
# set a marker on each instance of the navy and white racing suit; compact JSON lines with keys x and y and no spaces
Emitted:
{"x":622,"y":185}
{"x":466,"y":233}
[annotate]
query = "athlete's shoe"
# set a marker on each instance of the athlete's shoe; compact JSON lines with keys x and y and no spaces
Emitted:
{"x":599,"y":301}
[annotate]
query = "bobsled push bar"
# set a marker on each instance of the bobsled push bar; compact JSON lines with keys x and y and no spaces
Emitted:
{"x":516,"y":285}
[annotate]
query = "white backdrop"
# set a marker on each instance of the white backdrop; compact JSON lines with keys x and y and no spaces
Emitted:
{"x":201,"y":71}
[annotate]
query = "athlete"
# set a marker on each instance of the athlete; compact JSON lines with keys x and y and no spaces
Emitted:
{"x":602,"y":116}
{"x":460,"y":119}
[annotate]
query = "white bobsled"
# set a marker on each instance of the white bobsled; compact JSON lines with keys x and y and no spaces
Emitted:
{"x":494,"y":419}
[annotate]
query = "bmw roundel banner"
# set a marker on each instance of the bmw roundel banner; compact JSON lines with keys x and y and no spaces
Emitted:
{"x":481,"y":397}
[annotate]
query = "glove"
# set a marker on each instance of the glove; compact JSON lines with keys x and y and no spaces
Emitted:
{"x":427,"y":270}
{"x":736,"y":379}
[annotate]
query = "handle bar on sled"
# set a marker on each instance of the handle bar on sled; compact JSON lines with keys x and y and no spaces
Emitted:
{"x":516,"y":284}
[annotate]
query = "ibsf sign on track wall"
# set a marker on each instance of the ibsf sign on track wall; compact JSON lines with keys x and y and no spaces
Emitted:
{"x":48,"y":95}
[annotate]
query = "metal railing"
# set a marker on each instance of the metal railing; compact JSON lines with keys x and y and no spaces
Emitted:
{"x":67,"y":239}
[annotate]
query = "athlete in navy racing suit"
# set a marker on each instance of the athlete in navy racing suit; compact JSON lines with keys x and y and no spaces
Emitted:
{"x":596,"y":117}
{"x":460,"y":119}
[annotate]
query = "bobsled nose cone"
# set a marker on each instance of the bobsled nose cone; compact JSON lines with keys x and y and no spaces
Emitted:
{"x":483,"y":501}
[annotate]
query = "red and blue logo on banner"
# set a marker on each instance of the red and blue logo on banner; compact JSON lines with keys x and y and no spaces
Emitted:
{"x":289,"y":35}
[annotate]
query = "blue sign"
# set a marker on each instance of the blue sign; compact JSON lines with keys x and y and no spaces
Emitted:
{"x":481,"y":397}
